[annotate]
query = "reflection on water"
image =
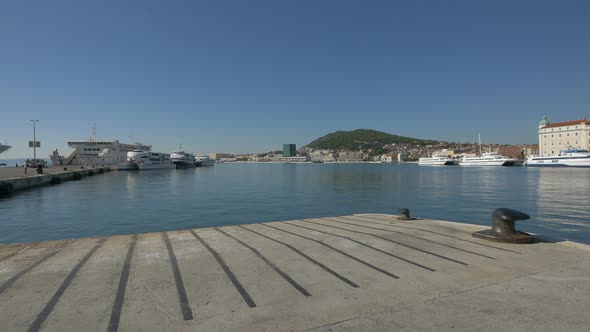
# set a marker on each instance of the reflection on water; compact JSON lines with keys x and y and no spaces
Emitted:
{"x":562,"y":199}
{"x":131,"y":202}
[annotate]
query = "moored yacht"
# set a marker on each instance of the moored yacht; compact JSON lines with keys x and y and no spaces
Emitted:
{"x":489,"y":159}
{"x":567,"y":158}
{"x":183,"y":159}
{"x":152,"y":160}
{"x":437,"y":160}
{"x":146,"y":160}
{"x":203,"y":160}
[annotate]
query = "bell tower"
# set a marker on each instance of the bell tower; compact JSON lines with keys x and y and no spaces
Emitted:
{"x":542,"y":124}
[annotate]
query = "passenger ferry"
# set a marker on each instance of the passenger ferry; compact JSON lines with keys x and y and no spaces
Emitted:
{"x":567,"y":158}
{"x":183,"y":159}
{"x":97,"y":152}
{"x":147,"y":160}
{"x":489,"y":159}
{"x":204,"y":161}
{"x":437,"y":160}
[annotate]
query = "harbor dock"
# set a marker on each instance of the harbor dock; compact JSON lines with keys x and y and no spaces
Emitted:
{"x":14,"y":178}
{"x":346,"y":273}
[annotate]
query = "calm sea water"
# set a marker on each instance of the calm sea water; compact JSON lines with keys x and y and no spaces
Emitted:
{"x":132,"y":202}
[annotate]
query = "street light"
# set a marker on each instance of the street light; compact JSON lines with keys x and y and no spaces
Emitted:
{"x":34,"y":140}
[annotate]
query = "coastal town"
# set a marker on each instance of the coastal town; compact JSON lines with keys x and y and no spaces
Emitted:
{"x":379,"y":147}
{"x":553,"y":139}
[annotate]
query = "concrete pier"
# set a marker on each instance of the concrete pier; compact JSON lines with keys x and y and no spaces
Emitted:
{"x":14,"y":179}
{"x":347,"y":273}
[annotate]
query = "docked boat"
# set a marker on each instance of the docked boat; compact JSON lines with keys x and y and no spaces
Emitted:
{"x":566,"y":158}
{"x":489,"y":159}
{"x":97,"y":152}
{"x":183,"y":159}
{"x":4,"y":147}
{"x":203,"y":161}
{"x":147,"y":160}
{"x":437,"y":160}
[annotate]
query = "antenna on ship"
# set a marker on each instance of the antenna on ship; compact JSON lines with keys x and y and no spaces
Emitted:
{"x":479,"y":138}
{"x":94,"y":132}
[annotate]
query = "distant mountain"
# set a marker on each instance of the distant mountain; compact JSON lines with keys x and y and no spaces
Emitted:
{"x":361,"y":139}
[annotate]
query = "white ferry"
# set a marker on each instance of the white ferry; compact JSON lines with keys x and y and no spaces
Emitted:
{"x":567,"y":158}
{"x":146,"y":160}
{"x":204,"y":161}
{"x":96,"y":152}
{"x":489,"y":159}
{"x":183,"y":159}
{"x":437,"y":160}
{"x":4,"y":147}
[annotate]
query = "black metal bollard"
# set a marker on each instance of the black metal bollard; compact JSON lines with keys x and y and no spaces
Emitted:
{"x":503,"y":229}
{"x":405,"y":215}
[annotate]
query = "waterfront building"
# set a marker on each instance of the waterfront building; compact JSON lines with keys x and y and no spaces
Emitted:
{"x":348,"y":156}
{"x":298,"y":159}
{"x":555,"y":137}
{"x":444,"y":152}
{"x":281,"y":159}
{"x":219,"y":156}
{"x":321,"y":156}
{"x":387,"y":158}
{"x":532,"y":150}
{"x":512,"y":151}
{"x":289,"y":150}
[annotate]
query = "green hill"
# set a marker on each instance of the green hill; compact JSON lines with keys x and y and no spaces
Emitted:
{"x":361,"y":139}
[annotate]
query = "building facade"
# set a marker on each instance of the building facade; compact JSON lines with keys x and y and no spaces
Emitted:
{"x":555,"y":137}
{"x":349,"y":156}
{"x":289,"y":150}
{"x":512,"y":151}
{"x":532,"y":150}
{"x":219,"y":156}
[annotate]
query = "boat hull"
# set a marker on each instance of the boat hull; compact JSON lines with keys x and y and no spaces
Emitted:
{"x":205,"y":163}
{"x":146,"y":167}
{"x":184,"y":164}
{"x":490,"y":163}
{"x":559,"y":163}
{"x":127,"y":167}
{"x":438,"y":163}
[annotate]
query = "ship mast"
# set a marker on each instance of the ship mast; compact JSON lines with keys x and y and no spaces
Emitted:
{"x":479,"y":138}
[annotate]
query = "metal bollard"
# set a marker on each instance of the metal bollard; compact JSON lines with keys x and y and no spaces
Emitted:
{"x":405,"y":215}
{"x":503,"y":229}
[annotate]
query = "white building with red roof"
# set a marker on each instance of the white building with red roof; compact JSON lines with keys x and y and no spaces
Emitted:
{"x":555,"y":137}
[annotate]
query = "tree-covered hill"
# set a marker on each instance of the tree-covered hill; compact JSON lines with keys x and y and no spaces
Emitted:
{"x":361,"y":139}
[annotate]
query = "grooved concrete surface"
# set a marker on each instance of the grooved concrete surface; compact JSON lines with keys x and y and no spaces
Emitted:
{"x":346,"y":273}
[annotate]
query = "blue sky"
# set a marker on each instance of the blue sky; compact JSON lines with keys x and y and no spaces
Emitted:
{"x":248,"y":76}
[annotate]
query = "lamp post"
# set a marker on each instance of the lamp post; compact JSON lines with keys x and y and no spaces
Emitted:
{"x":34,"y":140}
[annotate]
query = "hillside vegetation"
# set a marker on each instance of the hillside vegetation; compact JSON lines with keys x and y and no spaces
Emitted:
{"x":361,"y":139}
